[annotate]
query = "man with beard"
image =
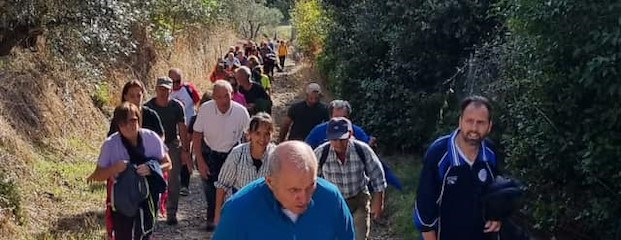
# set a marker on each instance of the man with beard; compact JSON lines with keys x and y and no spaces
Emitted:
{"x":456,"y":169}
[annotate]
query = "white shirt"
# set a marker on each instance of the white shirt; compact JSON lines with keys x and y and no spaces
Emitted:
{"x":293,"y":216}
{"x":221,"y":131}
{"x":188,"y":103}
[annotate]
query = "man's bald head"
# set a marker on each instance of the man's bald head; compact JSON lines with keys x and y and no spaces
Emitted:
{"x":293,"y":175}
{"x":175,"y":74}
{"x":292,"y":155}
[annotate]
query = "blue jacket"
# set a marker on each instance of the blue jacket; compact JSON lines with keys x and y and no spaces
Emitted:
{"x":318,"y":135}
{"x":131,"y":190}
{"x":449,"y":192}
{"x":254,"y":213}
{"x":157,"y":183}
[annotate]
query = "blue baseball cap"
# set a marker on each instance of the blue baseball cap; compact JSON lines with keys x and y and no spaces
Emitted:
{"x":339,"y":128}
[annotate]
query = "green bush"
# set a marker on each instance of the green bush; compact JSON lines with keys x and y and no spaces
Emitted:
{"x":312,"y":22}
{"x":101,"y":96}
{"x":391,"y":59}
{"x":562,"y":94}
{"x":552,"y":69}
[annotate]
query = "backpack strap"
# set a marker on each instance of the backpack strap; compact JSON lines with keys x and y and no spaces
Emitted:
{"x":361,"y":155}
{"x":359,"y":150}
{"x":192,"y":92}
{"x":323,"y":157}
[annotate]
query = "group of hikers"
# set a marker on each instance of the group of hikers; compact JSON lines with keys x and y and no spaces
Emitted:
{"x":321,"y":178}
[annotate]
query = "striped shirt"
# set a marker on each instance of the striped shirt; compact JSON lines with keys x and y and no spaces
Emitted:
{"x":238,"y":169}
{"x":351,"y":177}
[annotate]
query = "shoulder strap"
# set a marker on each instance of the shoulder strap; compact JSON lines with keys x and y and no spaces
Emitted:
{"x":187,"y":88}
{"x":359,"y":150}
{"x":361,"y":155}
{"x":324,"y":155}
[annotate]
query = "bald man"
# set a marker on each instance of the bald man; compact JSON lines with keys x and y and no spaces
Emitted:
{"x":290,"y":203}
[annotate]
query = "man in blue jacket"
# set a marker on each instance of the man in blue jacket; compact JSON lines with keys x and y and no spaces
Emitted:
{"x":337,"y":108}
{"x":456,"y":169}
{"x":290,"y":203}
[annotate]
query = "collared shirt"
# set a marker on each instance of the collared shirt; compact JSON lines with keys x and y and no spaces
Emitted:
{"x":238,"y":169}
{"x":254,"y":213}
{"x":221,"y":131}
{"x":350,"y":176}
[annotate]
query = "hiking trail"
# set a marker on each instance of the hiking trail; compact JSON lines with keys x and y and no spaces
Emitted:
{"x":287,"y":87}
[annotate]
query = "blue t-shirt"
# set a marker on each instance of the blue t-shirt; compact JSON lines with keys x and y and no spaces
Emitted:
{"x":254,"y":213}
{"x":318,"y":135}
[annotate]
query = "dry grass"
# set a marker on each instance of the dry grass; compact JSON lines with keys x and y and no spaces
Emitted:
{"x":196,"y":55}
{"x":50,"y":132}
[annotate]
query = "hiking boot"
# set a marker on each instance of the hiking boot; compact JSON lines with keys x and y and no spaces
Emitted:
{"x":171,"y":220}
{"x":184,"y":191}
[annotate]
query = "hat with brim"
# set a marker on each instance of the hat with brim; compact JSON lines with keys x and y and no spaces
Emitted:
{"x":164,"y":82}
{"x":313,"y":87}
{"x":338,"y":128}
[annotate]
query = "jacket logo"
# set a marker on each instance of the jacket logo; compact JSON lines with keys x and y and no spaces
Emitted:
{"x":482,"y":175}
{"x":451,"y":180}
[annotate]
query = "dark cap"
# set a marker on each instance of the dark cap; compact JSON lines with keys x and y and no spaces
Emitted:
{"x":339,"y":128}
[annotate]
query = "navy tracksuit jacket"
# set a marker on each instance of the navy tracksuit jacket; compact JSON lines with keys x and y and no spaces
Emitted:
{"x":448,"y":196}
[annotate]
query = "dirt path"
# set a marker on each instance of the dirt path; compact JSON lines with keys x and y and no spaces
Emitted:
{"x":192,"y":213}
{"x":288,"y":86}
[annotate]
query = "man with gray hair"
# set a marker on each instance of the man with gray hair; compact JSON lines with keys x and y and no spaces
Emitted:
{"x":356,"y":170}
{"x":219,"y":126}
{"x":337,"y":108}
{"x":290,"y":203}
{"x":256,"y":97}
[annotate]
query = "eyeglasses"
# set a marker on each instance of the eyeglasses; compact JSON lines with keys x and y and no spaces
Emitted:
{"x":176,"y":81}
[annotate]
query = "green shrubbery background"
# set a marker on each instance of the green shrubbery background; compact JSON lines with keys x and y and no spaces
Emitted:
{"x":552,"y":68}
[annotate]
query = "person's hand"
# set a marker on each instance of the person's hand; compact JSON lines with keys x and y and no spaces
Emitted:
{"x":377,"y":208}
{"x":373,"y":142}
{"x":143,"y":170}
{"x":186,"y":157}
{"x":119,"y":167}
{"x":492,"y":226}
{"x":203,"y":169}
{"x":90,"y":179}
{"x":216,"y":218}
